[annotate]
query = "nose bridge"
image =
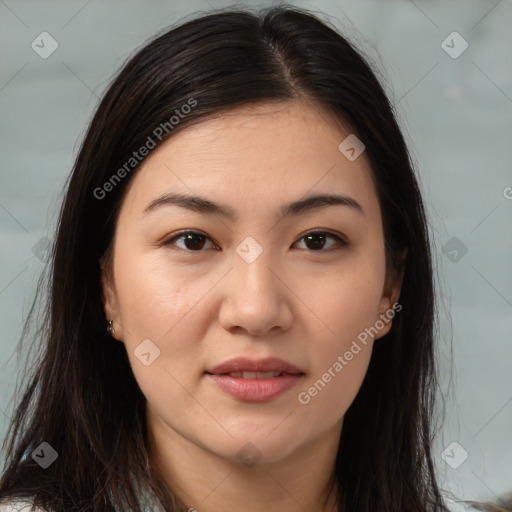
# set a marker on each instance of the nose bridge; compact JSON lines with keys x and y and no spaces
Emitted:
{"x":256,"y":299}
{"x":254,"y":270}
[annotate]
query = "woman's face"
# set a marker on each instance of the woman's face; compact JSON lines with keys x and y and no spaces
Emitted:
{"x":250,"y":284}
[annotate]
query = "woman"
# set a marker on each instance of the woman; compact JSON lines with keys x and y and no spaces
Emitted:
{"x":241,"y":312}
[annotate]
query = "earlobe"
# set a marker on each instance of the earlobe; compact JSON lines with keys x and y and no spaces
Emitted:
{"x":386,"y":313}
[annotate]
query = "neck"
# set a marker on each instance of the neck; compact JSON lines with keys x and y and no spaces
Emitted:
{"x":208,"y":482}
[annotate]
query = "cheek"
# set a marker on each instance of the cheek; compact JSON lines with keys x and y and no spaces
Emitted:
{"x":348,"y":309}
{"x":331,"y":391}
{"x":340,"y":366}
{"x":346,"y":301}
{"x":158,"y":305}
{"x":153,"y":297}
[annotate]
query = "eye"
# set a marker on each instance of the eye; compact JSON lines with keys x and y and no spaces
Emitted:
{"x":194,"y":241}
{"x":315,"y":241}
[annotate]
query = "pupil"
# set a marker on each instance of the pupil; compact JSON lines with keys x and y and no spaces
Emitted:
{"x":317,"y":235}
{"x":194,"y":238}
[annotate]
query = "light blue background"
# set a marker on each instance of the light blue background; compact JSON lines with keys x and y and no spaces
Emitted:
{"x":457,"y":118}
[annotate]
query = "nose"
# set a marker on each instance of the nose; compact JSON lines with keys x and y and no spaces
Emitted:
{"x":256,"y":298}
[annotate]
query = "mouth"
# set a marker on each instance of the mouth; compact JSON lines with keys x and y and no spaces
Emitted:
{"x":262,"y":368}
{"x":253,"y":375}
{"x":255,"y":381}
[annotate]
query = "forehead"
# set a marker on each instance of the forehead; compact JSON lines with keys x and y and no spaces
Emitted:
{"x":255,"y":155}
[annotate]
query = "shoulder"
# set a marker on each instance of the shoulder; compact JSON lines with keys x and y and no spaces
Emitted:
{"x":18,"y":506}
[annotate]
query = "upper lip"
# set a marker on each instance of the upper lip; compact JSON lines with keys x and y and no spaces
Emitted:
{"x":241,"y":364}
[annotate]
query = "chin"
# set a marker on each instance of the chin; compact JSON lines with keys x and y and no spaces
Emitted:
{"x":254,"y":449}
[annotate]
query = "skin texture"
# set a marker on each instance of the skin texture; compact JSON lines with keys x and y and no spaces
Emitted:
{"x":205,"y":306}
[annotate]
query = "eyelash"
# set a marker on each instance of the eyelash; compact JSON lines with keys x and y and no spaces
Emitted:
{"x":340,"y":245}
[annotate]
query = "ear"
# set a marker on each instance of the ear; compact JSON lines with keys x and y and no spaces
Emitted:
{"x":391,"y":292}
{"x":109,"y":300}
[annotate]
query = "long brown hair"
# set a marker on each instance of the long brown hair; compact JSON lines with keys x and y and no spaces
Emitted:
{"x":82,"y":397}
{"x":504,"y":506}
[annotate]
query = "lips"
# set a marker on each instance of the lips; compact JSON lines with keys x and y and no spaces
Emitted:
{"x":255,"y":381}
{"x":244,"y":365}
{"x":254,"y":375}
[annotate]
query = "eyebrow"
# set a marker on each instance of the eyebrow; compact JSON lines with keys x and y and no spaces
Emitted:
{"x":205,"y":206}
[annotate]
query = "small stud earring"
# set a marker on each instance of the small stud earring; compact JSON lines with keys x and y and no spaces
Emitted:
{"x":110,"y":327}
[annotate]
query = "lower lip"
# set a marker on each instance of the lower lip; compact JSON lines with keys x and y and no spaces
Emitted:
{"x":255,"y":390}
